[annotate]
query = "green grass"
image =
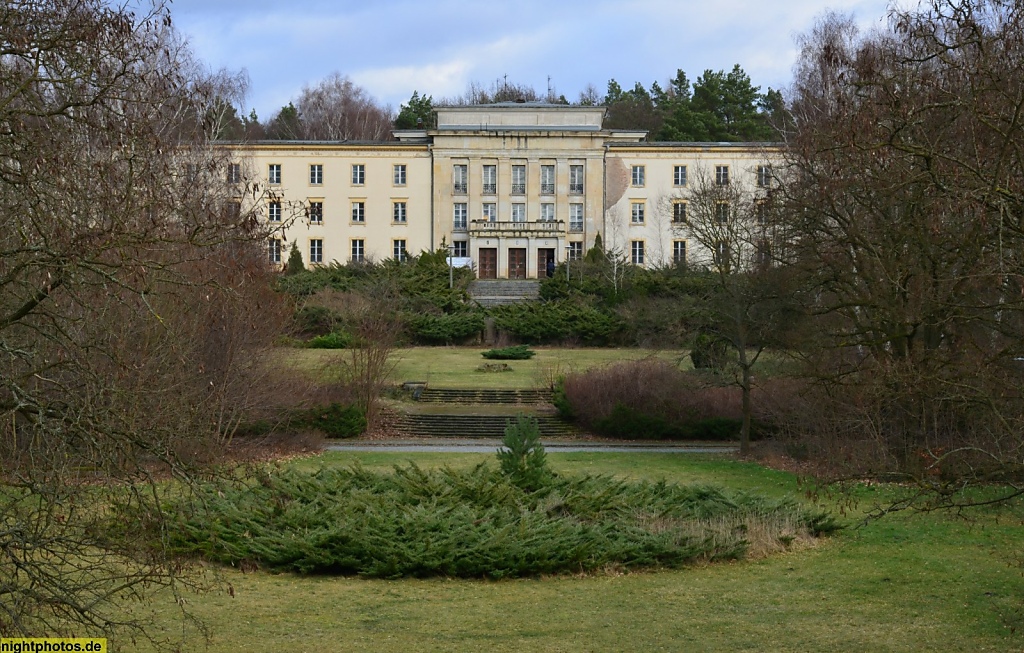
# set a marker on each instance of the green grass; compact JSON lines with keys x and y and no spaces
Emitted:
{"x":906,"y":583}
{"x":456,"y":367}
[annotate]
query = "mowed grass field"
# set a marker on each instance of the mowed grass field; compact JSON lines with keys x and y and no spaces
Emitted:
{"x":905,"y":583}
{"x":458,"y":367}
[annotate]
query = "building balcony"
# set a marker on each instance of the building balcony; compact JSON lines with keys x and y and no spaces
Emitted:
{"x":485,"y":228}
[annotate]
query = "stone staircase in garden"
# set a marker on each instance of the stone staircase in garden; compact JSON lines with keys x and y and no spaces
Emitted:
{"x":516,"y":397}
{"x":495,"y":292}
{"x":474,"y":426}
{"x":484,"y":413}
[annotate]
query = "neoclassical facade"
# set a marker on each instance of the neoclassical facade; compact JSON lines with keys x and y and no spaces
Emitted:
{"x":510,"y":189}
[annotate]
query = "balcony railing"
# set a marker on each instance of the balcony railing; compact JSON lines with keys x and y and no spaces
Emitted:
{"x":576,"y":227}
{"x":547,"y":189}
{"x":459,"y":188}
{"x":518,"y":189}
{"x":486,"y":227}
{"x":459,"y":224}
{"x":575,"y":189}
{"x":490,"y":189}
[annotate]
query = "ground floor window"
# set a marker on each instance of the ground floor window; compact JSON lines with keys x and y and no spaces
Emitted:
{"x":637,"y":250}
{"x":460,"y":249}
{"x":679,"y":251}
{"x":358,"y":250}
{"x":398,"y":249}
{"x":316,"y":250}
{"x":274,"y":249}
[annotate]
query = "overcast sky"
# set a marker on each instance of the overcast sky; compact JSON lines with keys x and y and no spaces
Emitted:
{"x":393,"y":47}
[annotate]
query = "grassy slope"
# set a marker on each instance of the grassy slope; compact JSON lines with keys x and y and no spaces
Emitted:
{"x":907,"y":583}
{"x":456,"y":367}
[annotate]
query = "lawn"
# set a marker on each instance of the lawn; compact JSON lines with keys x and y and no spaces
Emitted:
{"x":457,"y":367}
{"x":906,"y":583}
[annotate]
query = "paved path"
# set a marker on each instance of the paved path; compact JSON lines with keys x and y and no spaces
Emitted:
{"x":455,"y":445}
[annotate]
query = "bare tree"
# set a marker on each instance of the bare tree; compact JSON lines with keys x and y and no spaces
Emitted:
{"x":750,"y":299}
{"x":337,"y":109}
{"x":129,"y":337}
{"x":906,"y":193}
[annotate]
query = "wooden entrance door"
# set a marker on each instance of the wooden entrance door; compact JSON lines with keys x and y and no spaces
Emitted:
{"x":545,"y":256}
{"x":488,"y":263}
{"x":516,"y":263}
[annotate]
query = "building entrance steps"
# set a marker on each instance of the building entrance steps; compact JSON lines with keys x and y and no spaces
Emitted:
{"x":494,"y":292}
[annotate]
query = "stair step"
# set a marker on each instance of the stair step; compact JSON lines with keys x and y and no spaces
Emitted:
{"x":457,"y":396}
{"x":475,"y":426}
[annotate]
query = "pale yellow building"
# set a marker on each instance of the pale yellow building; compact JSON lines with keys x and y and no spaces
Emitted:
{"x":511,"y":189}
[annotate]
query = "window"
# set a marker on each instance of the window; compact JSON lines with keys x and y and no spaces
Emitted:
{"x":576,"y":180}
{"x":358,"y":174}
{"x":358,"y":211}
{"x":636,"y":249}
{"x":638,"y":212}
{"x":763,"y":254}
{"x":518,"y":213}
{"x":358,"y":250}
{"x":575,"y":251}
{"x":398,"y":212}
{"x":316,"y":250}
{"x":274,"y":173}
{"x":274,"y":249}
{"x":722,"y":175}
{"x":679,"y":251}
{"x":547,"y":180}
{"x":460,"y":179}
{"x":722,"y":253}
{"x":490,"y":180}
{"x":274,"y":211}
{"x":679,"y":176}
{"x":316,"y":174}
{"x":547,"y":212}
{"x":576,"y":218}
{"x":399,"y":174}
{"x":764,"y":176}
{"x":234,"y":173}
{"x":459,"y":217}
{"x":490,"y":211}
{"x":722,"y":212}
{"x":398,"y":250}
{"x":518,"y":180}
{"x":232,"y":211}
{"x":638,"y":175}
{"x":460,"y":249}
{"x":316,"y":212}
{"x":762,"y":213}
{"x":678,"y":212}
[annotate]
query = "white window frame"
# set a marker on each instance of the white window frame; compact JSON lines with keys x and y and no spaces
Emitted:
{"x":678,"y":251}
{"x":274,"y":174}
{"x":490,"y":179}
{"x":518,"y":212}
{"x":460,"y":179}
{"x":316,"y":174}
{"x":721,"y":175}
{"x":399,"y":252}
{"x":274,"y":211}
{"x":575,"y":251}
{"x":399,"y":212}
{"x":547,"y":212}
{"x":576,"y":179}
{"x":722,"y":212}
{"x":638,"y":176}
{"x":460,"y":248}
{"x":489,"y":211}
{"x":460,"y":216}
{"x":519,"y":179}
{"x":547,"y":179}
{"x":274,"y":250}
{"x":637,"y":212}
{"x":234,"y":173}
{"x":576,"y":218}
{"x":764,"y":176}
{"x":357,"y":248}
{"x":680,"y":212}
{"x":316,"y":211}
{"x":399,"y":174}
{"x":679,"y":176}
{"x":637,"y":252}
{"x":316,"y":250}
{"x":358,"y":174}
{"x":359,"y":211}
